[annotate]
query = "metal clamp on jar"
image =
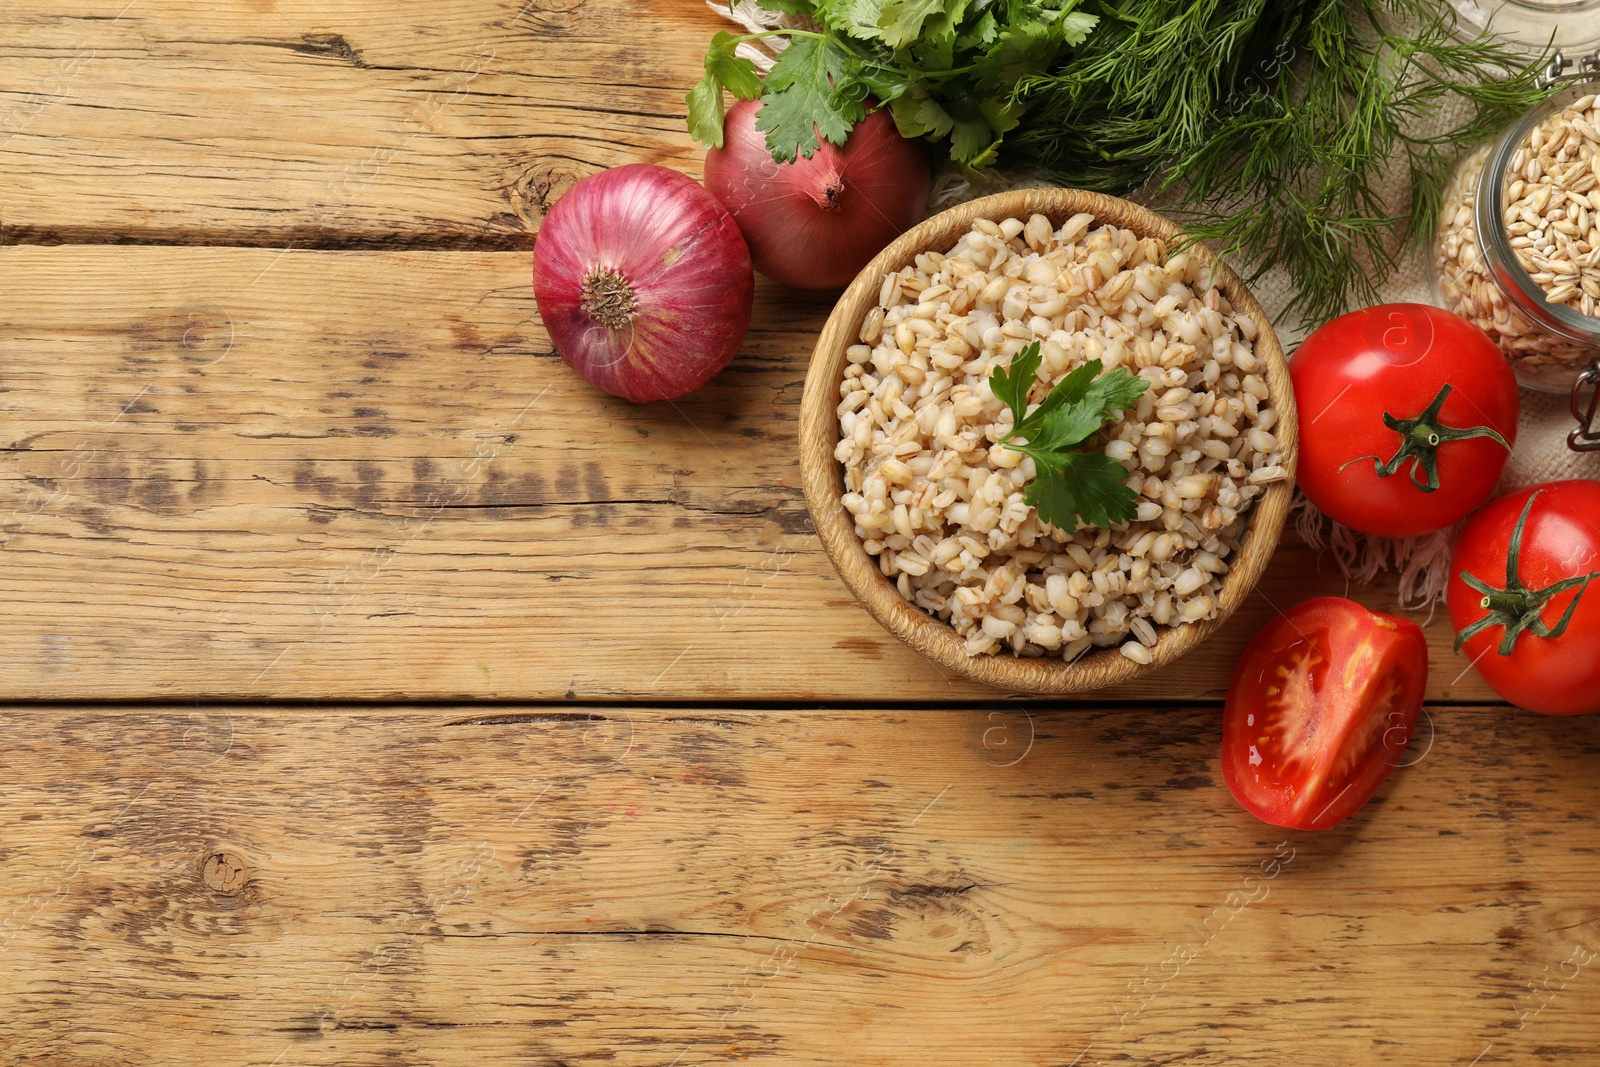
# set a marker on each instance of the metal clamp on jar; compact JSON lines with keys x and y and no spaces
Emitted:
{"x":1519,"y":255}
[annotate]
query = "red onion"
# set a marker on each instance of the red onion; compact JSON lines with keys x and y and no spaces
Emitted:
{"x":815,"y":223}
{"x":643,"y":282}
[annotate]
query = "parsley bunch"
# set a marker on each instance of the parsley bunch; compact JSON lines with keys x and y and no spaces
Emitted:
{"x":1070,"y":485}
{"x":946,"y":69}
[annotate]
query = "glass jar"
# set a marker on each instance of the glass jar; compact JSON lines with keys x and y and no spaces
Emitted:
{"x":1570,"y":25}
{"x":1519,"y":254}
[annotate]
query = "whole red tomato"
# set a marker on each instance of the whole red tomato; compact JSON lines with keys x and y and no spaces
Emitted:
{"x":1319,"y":711}
{"x":1407,"y":415}
{"x":1520,"y":600}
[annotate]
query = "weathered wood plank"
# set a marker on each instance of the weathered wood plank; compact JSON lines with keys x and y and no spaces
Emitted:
{"x":646,"y":887}
{"x":366,"y":475}
{"x":293,"y":122}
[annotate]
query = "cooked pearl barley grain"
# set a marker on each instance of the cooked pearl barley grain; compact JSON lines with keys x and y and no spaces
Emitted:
{"x":939,"y":502}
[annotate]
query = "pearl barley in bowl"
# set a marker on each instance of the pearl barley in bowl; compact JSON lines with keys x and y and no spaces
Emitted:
{"x":1044,"y":445}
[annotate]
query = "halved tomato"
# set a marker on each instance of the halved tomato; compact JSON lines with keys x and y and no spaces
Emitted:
{"x":1320,"y":709}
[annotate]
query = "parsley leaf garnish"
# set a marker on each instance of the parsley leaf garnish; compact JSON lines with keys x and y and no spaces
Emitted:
{"x":1090,"y":485}
{"x":858,"y":18}
{"x":1070,"y":485}
{"x":807,"y":95}
{"x":724,"y":68}
{"x":1011,"y":383}
{"x":905,"y":21}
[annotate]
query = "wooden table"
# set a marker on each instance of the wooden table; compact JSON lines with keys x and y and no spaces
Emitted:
{"x":380,"y":693}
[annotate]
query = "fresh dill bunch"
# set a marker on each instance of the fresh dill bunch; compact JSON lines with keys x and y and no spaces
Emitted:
{"x":1272,"y":124}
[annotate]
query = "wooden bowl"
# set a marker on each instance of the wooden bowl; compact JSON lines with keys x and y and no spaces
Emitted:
{"x":824,"y":475}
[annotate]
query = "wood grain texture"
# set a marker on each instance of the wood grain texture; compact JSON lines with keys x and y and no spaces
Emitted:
{"x":639,"y":887}
{"x":365,"y":475}
{"x":296,"y":122}
{"x":823,"y":476}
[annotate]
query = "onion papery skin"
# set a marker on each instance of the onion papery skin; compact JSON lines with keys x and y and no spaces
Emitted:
{"x":814,"y":223}
{"x":643,"y":281}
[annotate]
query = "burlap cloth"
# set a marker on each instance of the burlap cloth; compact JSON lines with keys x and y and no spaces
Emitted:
{"x":1541,"y":453}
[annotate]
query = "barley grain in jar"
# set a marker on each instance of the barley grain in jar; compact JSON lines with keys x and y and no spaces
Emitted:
{"x":1517,"y":249}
